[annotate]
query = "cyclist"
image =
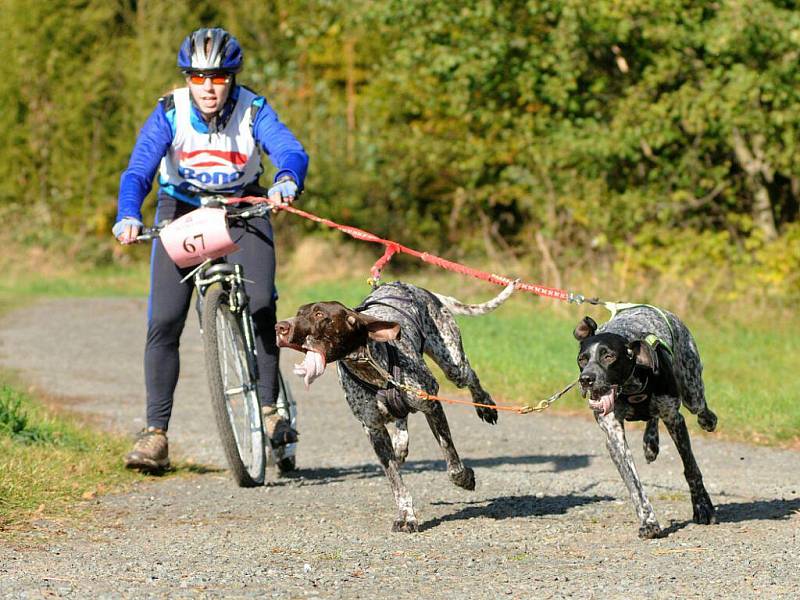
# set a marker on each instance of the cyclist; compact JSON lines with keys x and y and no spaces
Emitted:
{"x":205,"y":138}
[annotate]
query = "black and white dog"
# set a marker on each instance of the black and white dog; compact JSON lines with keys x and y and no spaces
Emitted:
{"x":390,"y":331}
{"x":641,"y":366}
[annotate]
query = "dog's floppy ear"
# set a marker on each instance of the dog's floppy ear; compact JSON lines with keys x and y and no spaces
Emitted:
{"x":377,"y":329}
{"x":585,"y":328}
{"x":645,"y":354}
{"x":383,"y":331}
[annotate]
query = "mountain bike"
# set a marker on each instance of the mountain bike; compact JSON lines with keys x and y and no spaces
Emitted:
{"x":201,"y":239}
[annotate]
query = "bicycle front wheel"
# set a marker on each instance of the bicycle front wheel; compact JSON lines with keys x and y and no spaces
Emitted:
{"x":233,"y":390}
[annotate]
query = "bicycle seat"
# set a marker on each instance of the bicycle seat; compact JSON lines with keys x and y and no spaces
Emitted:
{"x":220,"y":269}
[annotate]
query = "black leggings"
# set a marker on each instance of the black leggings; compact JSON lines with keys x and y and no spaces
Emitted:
{"x":170,"y":299}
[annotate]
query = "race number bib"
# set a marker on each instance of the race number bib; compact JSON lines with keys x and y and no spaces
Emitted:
{"x":197,"y":236}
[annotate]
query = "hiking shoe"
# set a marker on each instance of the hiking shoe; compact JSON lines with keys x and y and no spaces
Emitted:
{"x":277,"y":428}
{"x":151,"y":451}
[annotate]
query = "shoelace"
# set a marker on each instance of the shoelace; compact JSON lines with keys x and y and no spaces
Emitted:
{"x":149,"y":439}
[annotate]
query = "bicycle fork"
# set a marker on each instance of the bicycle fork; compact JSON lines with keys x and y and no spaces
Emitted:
{"x":238,"y":304}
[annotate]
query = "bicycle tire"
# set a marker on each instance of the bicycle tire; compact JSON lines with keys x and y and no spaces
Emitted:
{"x":233,"y":390}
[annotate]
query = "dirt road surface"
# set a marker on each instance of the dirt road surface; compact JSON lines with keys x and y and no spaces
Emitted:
{"x":549,"y":518}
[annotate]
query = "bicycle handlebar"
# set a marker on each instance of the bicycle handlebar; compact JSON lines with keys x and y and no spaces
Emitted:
{"x":258,"y":206}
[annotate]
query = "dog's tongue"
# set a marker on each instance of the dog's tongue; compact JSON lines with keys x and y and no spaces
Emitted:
{"x":313,"y":366}
{"x":605,"y":404}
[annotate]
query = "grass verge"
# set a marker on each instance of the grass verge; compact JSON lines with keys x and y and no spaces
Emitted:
{"x":49,"y":461}
{"x":18,"y":288}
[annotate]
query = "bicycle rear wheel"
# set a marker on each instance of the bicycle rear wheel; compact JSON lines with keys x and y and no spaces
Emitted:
{"x":233,"y":390}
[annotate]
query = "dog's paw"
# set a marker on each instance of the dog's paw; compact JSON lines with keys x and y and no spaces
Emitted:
{"x":464,"y":478}
{"x":707,"y":420}
{"x":650,"y":450}
{"x":703,"y":511}
{"x":405,"y":525}
{"x":487,"y":414}
{"x":650,"y":531}
{"x":401,"y":454}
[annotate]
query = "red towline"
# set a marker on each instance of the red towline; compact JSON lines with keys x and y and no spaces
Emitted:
{"x":393,"y":247}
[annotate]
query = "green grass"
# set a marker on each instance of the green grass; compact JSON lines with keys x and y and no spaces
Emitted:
{"x":17,"y":424}
{"x":49,"y":461}
{"x":750,"y":376}
{"x":118,"y":281}
{"x":292,"y":295}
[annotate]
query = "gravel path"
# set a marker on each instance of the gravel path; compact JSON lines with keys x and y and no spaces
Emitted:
{"x":549,"y":518}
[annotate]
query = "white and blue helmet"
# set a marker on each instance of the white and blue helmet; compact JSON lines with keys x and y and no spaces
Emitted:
{"x":210,"y":50}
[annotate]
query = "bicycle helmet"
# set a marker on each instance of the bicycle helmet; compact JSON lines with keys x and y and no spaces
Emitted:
{"x":210,"y":50}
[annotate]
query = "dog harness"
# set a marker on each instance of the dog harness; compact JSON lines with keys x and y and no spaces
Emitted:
{"x":651,"y":339}
{"x":640,"y":394}
{"x":393,"y":398}
{"x":390,"y":395}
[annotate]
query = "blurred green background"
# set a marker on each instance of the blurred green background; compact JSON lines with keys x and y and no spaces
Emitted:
{"x":639,"y":148}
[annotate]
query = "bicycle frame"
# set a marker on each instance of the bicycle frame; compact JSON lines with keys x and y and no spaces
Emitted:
{"x":230,"y":277}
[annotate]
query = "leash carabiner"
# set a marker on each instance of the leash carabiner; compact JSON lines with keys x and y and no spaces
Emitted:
{"x":547,"y":402}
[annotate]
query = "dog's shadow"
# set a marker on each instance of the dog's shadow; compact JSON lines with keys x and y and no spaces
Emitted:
{"x":510,"y":507}
{"x":756,"y":510}
{"x":323,"y":475}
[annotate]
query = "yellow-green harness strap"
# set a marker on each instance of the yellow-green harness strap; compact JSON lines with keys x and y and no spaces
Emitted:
{"x":651,"y":339}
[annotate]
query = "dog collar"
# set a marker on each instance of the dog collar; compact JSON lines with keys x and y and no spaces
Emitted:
{"x":634,"y":391}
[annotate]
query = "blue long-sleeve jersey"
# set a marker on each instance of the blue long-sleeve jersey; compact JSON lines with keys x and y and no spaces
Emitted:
{"x":158,"y":133}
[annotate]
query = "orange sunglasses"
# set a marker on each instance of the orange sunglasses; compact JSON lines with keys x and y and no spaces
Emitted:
{"x":216,"y":78}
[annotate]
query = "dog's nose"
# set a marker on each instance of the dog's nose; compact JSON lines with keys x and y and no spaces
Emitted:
{"x":283,"y":328}
{"x":587,"y":379}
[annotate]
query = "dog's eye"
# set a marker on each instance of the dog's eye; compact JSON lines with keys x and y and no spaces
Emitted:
{"x":609,"y":358}
{"x":319,"y":314}
{"x":583,"y":361}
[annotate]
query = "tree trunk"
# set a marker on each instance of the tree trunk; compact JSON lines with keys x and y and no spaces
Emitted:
{"x":760,"y":174}
{"x":350,"y":62}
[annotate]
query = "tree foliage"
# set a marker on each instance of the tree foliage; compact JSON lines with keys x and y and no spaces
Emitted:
{"x":659,"y":136}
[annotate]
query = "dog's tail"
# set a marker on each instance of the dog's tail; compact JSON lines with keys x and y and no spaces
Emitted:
{"x":459,"y":308}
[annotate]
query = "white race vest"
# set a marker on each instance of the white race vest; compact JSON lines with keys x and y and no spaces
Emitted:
{"x":225,"y":161}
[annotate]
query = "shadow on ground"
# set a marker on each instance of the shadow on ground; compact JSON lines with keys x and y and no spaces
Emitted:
{"x":185,"y":468}
{"x":756,"y":510}
{"x":510,"y":507}
{"x":322,"y":475}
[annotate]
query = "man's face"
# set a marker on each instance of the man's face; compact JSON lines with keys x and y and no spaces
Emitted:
{"x":210,"y":91}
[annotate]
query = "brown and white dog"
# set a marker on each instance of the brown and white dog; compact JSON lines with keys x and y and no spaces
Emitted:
{"x":394,"y":326}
